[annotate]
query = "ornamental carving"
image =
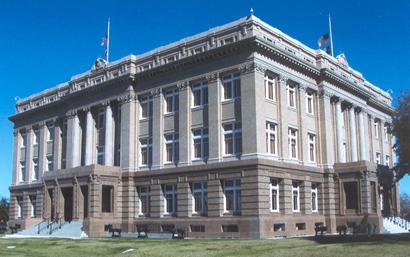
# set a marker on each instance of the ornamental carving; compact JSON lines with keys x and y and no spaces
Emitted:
{"x":127,"y":97}
{"x":70,"y":114}
{"x":283,"y":79}
{"x":211,"y":77}
{"x":182,"y":85}
{"x":156,"y":92}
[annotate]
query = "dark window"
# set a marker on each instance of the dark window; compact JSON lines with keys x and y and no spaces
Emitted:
{"x":107,"y":198}
{"x":230,"y":228}
{"x":279,"y":227}
{"x":300,"y":226}
{"x":197,"y":228}
{"x":168,"y":228}
{"x":350,"y":189}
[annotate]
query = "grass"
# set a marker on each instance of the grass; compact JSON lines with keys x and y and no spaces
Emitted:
{"x":331,"y":246}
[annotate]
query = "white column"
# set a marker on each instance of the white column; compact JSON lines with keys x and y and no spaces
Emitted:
{"x":339,"y":130}
{"x":89,"y":138}
{"x":108,"y":149}
{"x":76,"y":153}
{"x":363,"y":146}
{"x":353,"y":138}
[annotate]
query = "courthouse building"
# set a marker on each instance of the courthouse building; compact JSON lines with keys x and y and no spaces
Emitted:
{"x":240,"y":131}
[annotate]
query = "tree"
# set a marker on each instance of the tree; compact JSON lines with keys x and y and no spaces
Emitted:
{"x":401,"y":130}
{"x":4,"y":210}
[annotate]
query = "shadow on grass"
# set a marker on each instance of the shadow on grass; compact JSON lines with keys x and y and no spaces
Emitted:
{"x":376,"y":239}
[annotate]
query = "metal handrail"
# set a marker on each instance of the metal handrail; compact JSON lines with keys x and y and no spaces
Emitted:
{"x":45,"y":222}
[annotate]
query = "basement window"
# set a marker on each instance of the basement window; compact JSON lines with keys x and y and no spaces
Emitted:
{"x":230,"y":228}
{"x":300,"y":226}
{"x":197,"y":228}
{"x":279,"y":227}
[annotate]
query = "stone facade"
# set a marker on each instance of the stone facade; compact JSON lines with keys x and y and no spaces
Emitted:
{"x":240,"y":131}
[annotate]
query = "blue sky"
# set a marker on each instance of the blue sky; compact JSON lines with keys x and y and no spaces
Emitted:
{"x":43,"y":43}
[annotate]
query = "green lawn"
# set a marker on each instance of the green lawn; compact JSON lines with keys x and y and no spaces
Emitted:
{"x":383,"y":246}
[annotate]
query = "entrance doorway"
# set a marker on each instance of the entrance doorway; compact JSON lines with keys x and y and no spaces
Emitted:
{"x":84,"y":192}
{"x":67,"y":193}
{"x":52,"y":204}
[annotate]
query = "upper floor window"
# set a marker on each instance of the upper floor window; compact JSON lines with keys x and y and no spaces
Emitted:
{"x":387,"y":160}
{"x":295,"y":197}
{"x":144,"y":195}
{"x":170,"y":199}
{"x":291,"y":91}
{"x":309,"y":103}
{"x":274,"y":195}
{"x":270,"y":87}
{"x":22,"y":176}
{"x":233,"y":138}
{"x":100,"y":136}
{"x":386,"y":134}
{"x":23,"y":142}
{"x":172,"y":147}
{"x":231,"y":86}
{"x":200,"y":198}
{"x":50,"y":163}
{"x":314,"y":198}
{"x":36,"y":139}
{"x":35,"y":175}
{"x":376,"y":129}
{"x":378,"y":158}
{"x":171,"y":101}
{"x":50,"y":132}
{"x":271,"y":142}
{"x":146,"y":151}
{"x":201,"y":145}
{"x":200,"y":94}
{"x":312,"y":147}
{"x":146,"y":106}
{"x":232,"y":195}
{"x":293,"y":143}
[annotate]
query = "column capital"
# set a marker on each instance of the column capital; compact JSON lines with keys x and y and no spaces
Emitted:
{"x":283,"y":78}
{"x":335,"y":99}
{"x":324,"y":93}
{"x":211,"y":77}
{"x":71,"y":113}
{"x":86,"y":108}
{"x":105,"y":103}
{"x":182,"y":85}
{"x":16,"y":132}
{"x":127,"y":97}
{"x":156,"y":92}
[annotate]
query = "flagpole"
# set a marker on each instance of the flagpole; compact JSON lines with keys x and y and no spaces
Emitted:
{"x":108,"y":41}
{"x":331,"y":36}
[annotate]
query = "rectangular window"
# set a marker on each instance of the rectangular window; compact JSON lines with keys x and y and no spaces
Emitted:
{"x":376,"y":129}
{"x":231,"y":86}
{"x":171,"y":101}
{"x":386,"y":134}
{"x":100,"y":136}
{"x":19,"y":200}
{"x":144,"y":194}
{"x":36,"y":139}
{"x":35,"y":174}
{"x":293,"y":143}
{"x":33,"y":208}
{"x":314,"y":198}
{"x":22,"y":176}
{"x":351,"y":195}
{"x":378,"y":158}
{"x":170,"y":199}
{"x":200,"y":140}
{"x":50,"y":163}
{"x":232,"y":195}
{"x":271,"y":142}
{"x":172,"y":148}
{"x":230,"y":228}
{"x":200,"y":198}
{"x":200,"y":94}
{"x":233,"y":138}
{"x":146,"y":151}
{"x":50,"y":131}
{"x":274,"y":195}
{"x":197,"y":228}
{"x":309,"y":103}
{"x":270,"y":87}
{"x":387,"y":161}
{"x":107,"y":198}
{"x":291,"y":90}
{"x":312,"y":147}
{"x":146,"y":107}
{"x":23,"y":142}
{"x":295,"y":197}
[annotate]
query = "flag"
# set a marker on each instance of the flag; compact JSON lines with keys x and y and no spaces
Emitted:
{"x":104,"y":41}
{"x":325,"y":43}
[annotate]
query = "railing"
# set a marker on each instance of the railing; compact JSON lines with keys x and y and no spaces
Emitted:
{"x":55,"y":224}
{"x":400,"y":222}
{"x":43,"y":225}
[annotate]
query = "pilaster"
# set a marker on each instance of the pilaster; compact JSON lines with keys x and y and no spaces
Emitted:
{"x":215,"y":116}
{"x":42,"y":162}
{"x":325,"y":135}
{"x":157,"y":200}
{"x":73,"y":140}
{"x":362,"y":136}
{"x":109,"y":137}
{"x":306,"y":197}
{"x":158,"y":129}
{"x":29,"y":154}
{"x":285,"y":196}
{"x":184,"y":123}
{"x":184,"y":195}
{"x":16,"y":156}
{"x":353,"y":138}
{"x":283,"y":126}
{"x":215,"y":196}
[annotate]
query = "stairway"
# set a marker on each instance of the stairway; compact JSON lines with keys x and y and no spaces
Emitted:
{"x":395,"y":225}
{"x":73,"y":229}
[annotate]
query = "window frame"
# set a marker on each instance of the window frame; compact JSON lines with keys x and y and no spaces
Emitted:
{"x":231,"y":81}
{"x":290,"y":138}
{"x":171,"y":139}
{"x":148,"y":101}
{"x":378,"y":158}
{"x":203,"y":191}
{"x":273,"y":187}
{"x":203,"y":137}
{"x":236,"y":134}
{"x":36,"y":170}
{"x":312,"y":144}
{"x":269,"y":132}
{"x":236,"y":195}
{"x":147,"y":195}
{"x":291,"y":97}
{"x":173,"y":192}
{"x":202,"y":88}
{"x":296,"y":189}
{"x":310,"y":103}
{"x":148,"y":147}
{"x":314,"y":197}
{"x":270,"y":84}
{"x":171,"y":96}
